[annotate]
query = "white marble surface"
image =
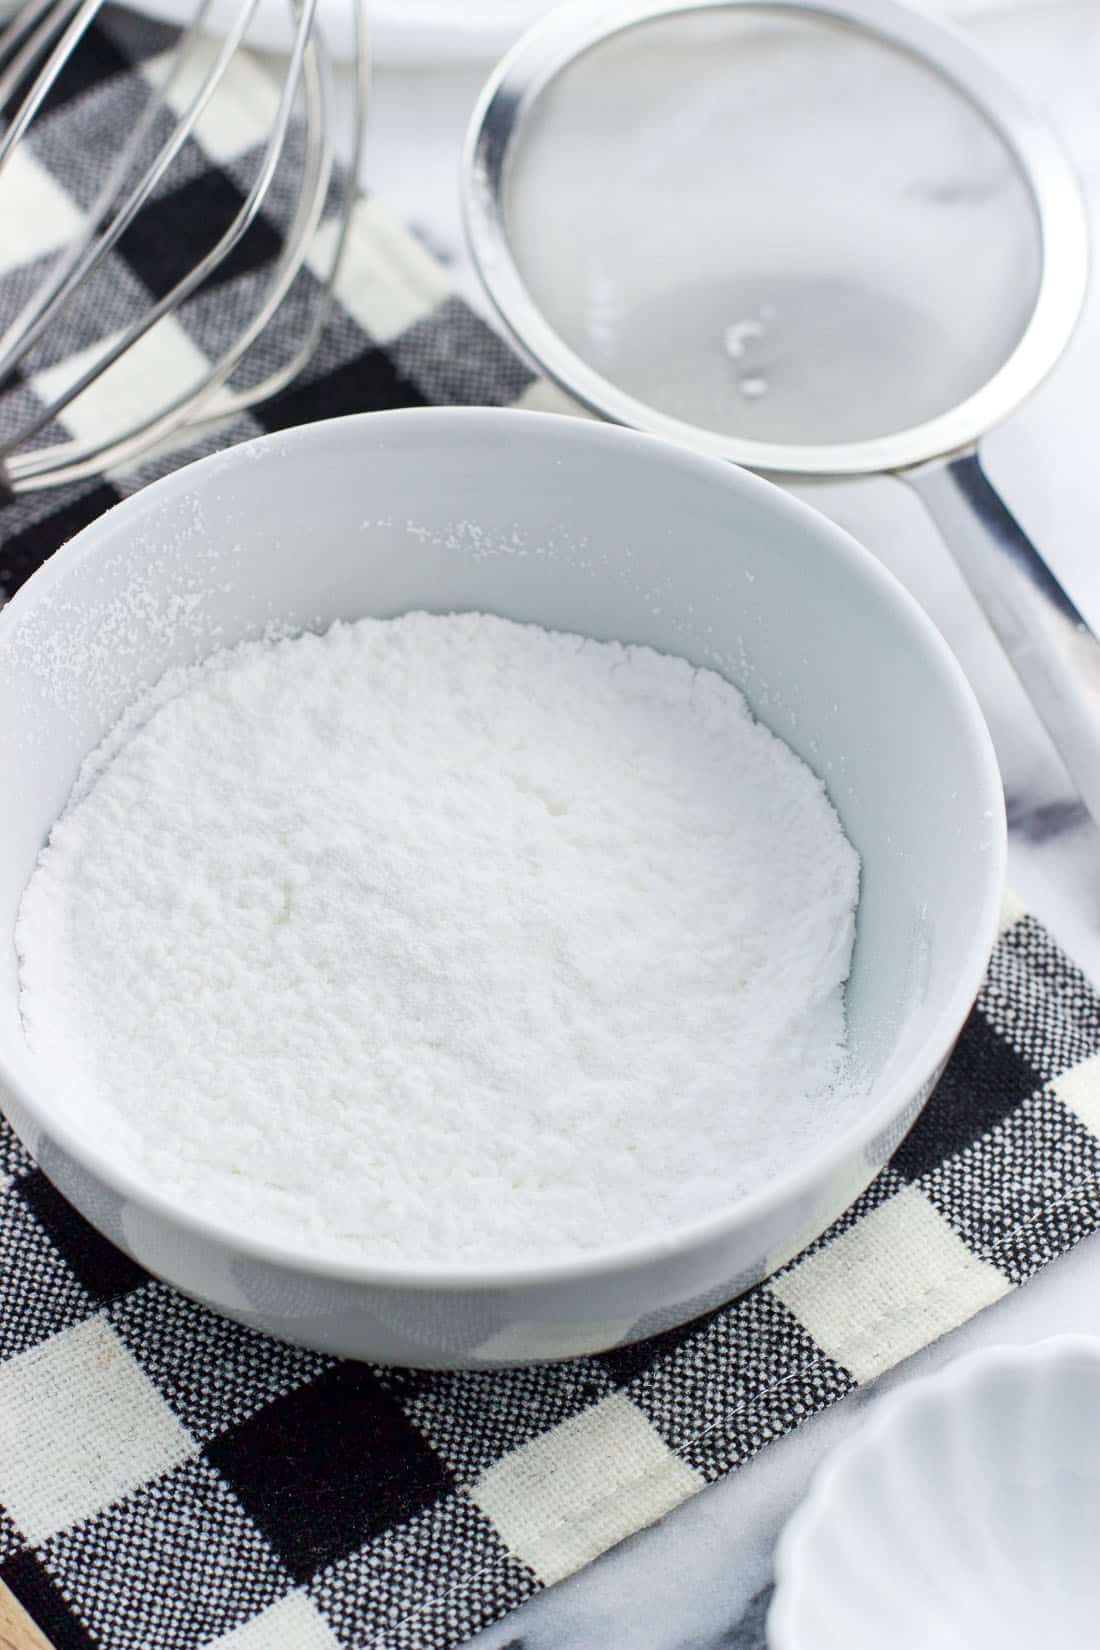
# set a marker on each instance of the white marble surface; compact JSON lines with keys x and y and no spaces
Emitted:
{"x":691,"y":1582}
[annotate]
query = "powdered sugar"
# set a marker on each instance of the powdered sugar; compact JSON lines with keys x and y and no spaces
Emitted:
{"x":444,"y":938}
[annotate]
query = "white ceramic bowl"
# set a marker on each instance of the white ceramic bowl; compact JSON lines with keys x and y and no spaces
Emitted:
{"x":964,"y":1516}
{"x":585,"y":528}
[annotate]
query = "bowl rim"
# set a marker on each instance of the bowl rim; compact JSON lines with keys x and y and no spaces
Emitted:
{"x":507,"y":425}
{"x":938,"y":1387}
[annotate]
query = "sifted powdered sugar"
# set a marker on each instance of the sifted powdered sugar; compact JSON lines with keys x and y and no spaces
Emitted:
{"x":444,"y":938}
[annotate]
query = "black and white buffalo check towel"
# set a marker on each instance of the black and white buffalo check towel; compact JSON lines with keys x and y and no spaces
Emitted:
{"x":397,"y":339}
{"x":170,"y":1480}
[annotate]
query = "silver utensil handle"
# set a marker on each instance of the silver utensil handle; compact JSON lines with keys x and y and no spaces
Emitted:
{"x":1051,"y":648}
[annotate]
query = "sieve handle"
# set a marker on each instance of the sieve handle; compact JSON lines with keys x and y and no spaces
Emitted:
{"x":1053,"y":651}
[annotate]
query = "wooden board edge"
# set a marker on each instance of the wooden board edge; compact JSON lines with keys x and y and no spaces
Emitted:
{"x":17,"y":1630}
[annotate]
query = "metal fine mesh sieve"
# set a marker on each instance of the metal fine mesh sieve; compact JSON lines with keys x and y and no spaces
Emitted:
{"x":813,"y":238}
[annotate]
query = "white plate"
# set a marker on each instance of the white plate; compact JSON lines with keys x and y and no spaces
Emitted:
{"x":964,"y":1516}
{"x":401,"y":31}
{"x":433,"y":31}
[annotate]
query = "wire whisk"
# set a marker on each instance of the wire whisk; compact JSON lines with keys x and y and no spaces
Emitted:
{"x":35,"y":47}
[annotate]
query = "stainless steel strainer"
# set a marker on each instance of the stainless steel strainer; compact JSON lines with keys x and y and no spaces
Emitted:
{"x":816,"y":237}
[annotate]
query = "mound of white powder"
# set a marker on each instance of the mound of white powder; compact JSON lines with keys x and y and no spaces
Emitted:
{"x":444,"y":938}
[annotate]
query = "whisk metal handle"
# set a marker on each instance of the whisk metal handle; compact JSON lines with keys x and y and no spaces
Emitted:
{"x":1053,"y":650}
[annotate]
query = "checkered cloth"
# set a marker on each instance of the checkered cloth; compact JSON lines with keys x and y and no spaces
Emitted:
{"x":169,"y":1479}
{"x":397,"y":338}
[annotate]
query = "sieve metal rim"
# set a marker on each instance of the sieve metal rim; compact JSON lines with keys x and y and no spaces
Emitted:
{"x":574,"y":28}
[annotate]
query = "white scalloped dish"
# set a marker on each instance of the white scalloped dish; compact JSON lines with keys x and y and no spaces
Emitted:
{"x":964,"y":1515}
